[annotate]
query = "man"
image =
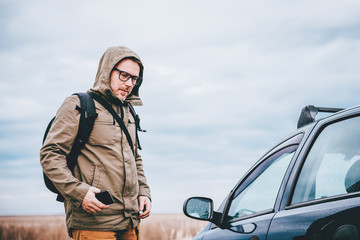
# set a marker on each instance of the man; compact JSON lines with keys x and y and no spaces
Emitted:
{"x":106,"y":162}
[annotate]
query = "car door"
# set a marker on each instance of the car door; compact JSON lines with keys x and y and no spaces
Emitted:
{"x":322,"y":197}
{"x":250,"y":207}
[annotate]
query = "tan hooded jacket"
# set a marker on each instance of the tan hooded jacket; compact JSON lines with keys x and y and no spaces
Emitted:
{"x":105,"y":162}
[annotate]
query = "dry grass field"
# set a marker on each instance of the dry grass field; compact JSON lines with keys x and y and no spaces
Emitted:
{"x":156,"y":227}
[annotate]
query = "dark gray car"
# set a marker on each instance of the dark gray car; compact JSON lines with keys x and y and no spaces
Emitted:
{"x":306,"y":187}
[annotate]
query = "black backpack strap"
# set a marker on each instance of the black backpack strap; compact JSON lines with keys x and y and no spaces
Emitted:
{"x":108,"y":107}
{"x":137,"y":123}
{"x":87,"y":119}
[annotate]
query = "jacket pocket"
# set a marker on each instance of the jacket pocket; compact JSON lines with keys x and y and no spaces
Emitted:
{"x":97,"y":174}
{"x":103,"y":133}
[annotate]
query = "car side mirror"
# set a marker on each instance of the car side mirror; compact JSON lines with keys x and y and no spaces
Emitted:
{"x":200,"y":208}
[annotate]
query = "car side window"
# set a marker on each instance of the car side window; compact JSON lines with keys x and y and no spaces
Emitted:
{"x":260,"y":194}
{"x":332,"y":166}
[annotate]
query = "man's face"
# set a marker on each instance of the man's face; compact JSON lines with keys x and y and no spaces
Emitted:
{"x":120,"y":88}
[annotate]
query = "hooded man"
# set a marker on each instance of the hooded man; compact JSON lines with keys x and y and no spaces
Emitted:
{"x":106,"y":162}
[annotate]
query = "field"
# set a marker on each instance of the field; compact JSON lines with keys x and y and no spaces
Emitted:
{"x":155,"y":227}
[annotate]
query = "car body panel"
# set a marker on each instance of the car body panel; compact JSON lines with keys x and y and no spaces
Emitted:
{"x":316,"y":221}
{"x":260,"y":231}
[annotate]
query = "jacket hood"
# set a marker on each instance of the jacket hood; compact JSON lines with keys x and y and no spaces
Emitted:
{"x":111,"y":57}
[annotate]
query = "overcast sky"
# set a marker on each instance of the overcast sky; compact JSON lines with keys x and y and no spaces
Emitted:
{"x":223,"y":82}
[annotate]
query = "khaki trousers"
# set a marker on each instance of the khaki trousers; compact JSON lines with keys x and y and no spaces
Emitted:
{"x":130,"y":234}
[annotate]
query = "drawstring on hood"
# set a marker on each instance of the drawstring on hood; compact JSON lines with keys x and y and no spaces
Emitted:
{"x":108,"y":61}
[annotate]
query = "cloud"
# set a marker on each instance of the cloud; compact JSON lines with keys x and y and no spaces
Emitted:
{"x":224,"y":81}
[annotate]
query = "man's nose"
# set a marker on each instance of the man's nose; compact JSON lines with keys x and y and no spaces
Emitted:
{"x":129,"y":82}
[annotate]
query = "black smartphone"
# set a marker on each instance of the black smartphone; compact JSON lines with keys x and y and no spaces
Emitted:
{"x":105,"y":197}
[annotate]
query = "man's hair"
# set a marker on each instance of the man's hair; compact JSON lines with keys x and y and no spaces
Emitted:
{"x":134,"y":59}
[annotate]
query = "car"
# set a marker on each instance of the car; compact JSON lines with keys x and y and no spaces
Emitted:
{"x":307,"y":187}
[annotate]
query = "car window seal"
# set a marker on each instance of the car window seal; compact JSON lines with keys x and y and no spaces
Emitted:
{"x":323,"y":200}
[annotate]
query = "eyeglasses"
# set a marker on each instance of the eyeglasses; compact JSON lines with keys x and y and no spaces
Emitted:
{"x":125,"y":76}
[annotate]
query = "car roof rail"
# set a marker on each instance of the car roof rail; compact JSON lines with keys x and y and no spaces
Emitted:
{"x":309,"y":113}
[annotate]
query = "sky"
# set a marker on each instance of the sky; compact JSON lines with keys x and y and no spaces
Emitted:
{"x":224,"y":81}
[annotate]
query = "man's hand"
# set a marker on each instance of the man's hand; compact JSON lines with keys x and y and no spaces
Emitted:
{"x":144,"y":207}
{"x":90,"y":203}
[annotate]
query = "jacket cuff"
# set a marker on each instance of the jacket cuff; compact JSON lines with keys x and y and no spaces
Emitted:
{"x":79,"y":194}
{"x":145,"y":192}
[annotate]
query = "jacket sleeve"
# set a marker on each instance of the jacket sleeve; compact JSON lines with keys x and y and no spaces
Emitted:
{"x":144,"y":189}
{"x":57,"y":146}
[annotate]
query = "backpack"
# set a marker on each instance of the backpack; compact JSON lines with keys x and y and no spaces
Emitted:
{"x":87,"y":119}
